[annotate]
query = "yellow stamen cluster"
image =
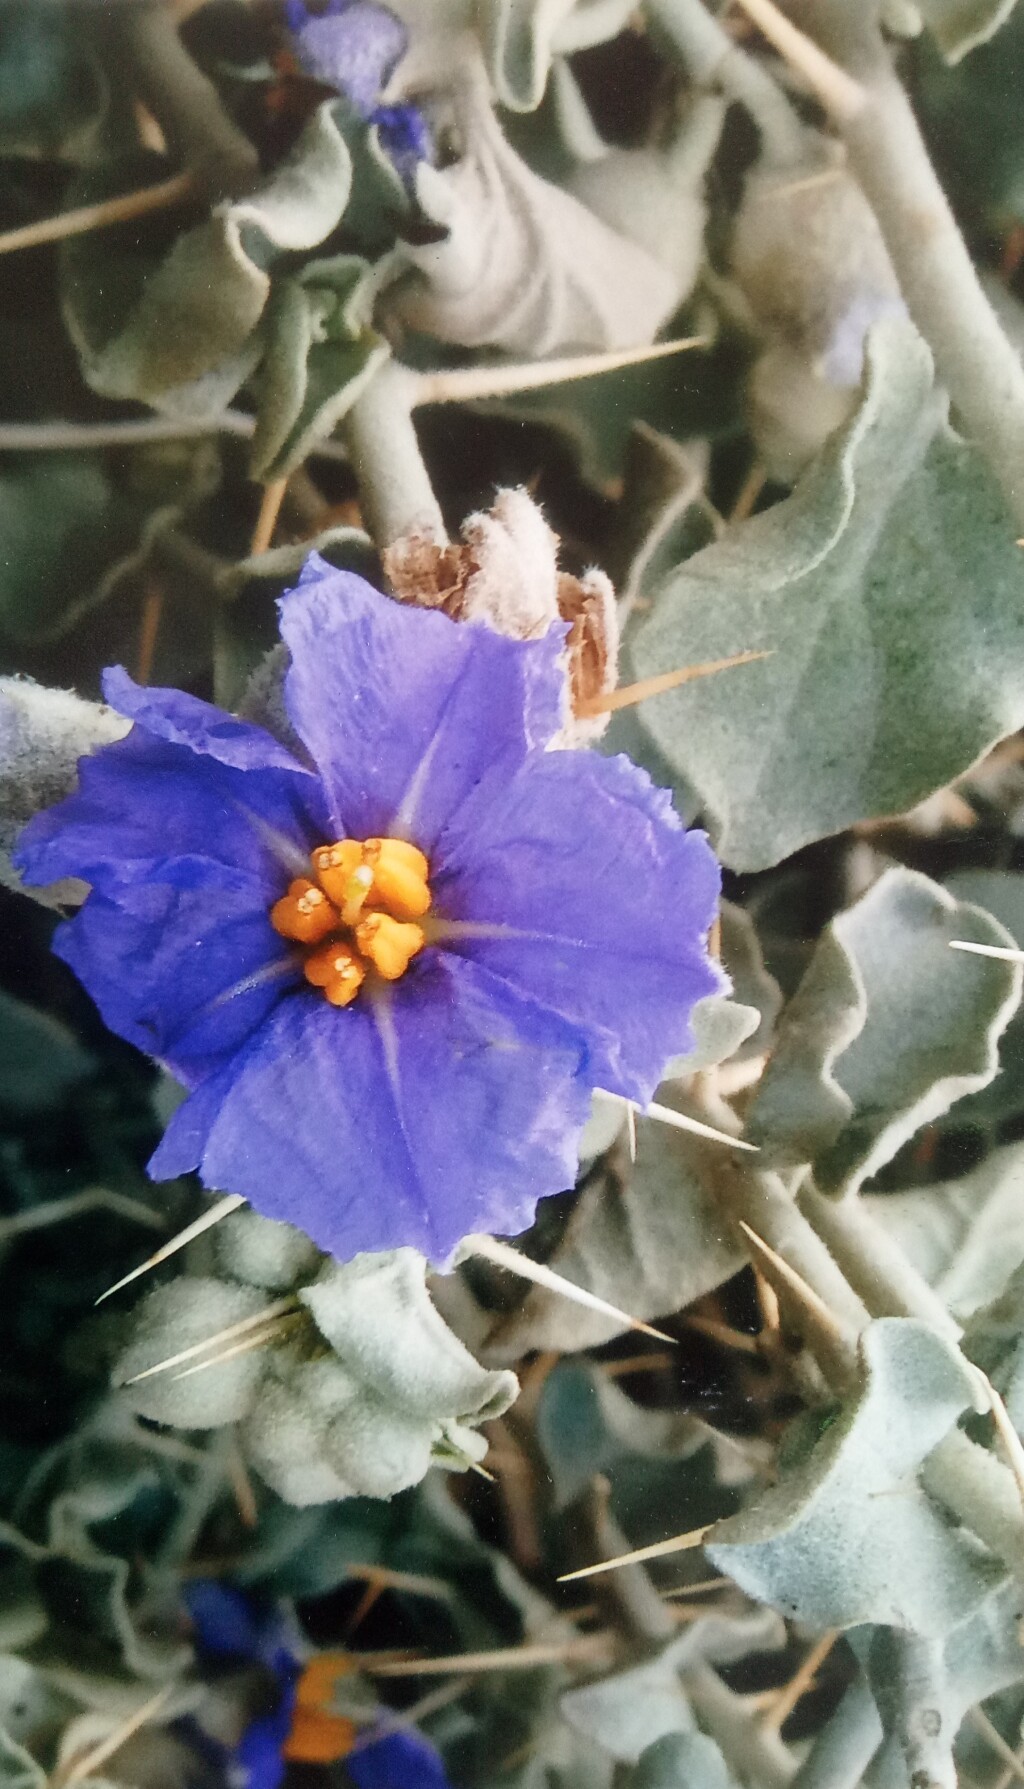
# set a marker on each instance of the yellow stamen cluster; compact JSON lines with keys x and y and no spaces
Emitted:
{"x":358,"y":915}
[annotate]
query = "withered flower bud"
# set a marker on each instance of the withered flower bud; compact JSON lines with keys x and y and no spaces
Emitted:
{"x":504,"y":572}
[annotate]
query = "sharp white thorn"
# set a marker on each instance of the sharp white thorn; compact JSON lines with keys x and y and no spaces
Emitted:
{"x":1000,"y":951}
{"x":665,"y":1115}
{"x":222,"y":1209}
{"x":503,"y":1255}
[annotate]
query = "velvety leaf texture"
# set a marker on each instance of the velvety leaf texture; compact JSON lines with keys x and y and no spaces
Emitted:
{"x":888,"y":1027}
{"x":855,"y":586}
{"x":181,"y":338}
{"x":960,"y":25}
{"x":814,"y":1546}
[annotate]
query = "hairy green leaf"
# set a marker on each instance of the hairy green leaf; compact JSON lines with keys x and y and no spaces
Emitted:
{"x":586,"y":1424}
{"x":377,"y":1316}
{"x":262,"y":1252}
{"x":856,"y":587}
{"x":320,"y":350}
{"x":57,"y":512}
{"x":40,"y":1059}
{"x":179,"y":333}
{"x":846,"y":1536}
{"x":972,"y":118}
{"x":961,"y":25}
{"x":888,"y":1027}
{"x":647,"y":1236}
{"x":632,"y":1709}
{"x":965,"y":1236}
{"x":682,"y":1758}
{"x":178,"y":1316}
{"x":52,"y":89}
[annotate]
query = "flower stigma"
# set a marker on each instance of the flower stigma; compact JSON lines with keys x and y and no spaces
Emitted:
{"x":358,"y":915}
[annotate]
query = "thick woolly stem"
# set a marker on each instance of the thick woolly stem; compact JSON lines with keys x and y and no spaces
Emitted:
{"x":395,"y":491}
{"x":886,"y":153}
{"x":713,"y":60}
{"x":186,"y":105}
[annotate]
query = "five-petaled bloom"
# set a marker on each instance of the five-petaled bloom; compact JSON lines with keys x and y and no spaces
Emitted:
{"x":391,"y":958}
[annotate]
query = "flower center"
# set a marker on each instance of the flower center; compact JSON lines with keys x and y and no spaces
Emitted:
{"x":358,"y":914}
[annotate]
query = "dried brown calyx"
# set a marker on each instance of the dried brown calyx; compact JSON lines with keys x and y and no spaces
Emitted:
{"x":504,"y":572}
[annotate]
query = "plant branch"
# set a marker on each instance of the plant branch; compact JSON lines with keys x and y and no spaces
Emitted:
{"x":396,"y":494}
{"x":886,"y":154}
{"x":968,"y":1480}
{"x":844,"y":1748}
{"x":909,"y":1681}
{"x":60,"y":437}
{"x":875,"y":1266}
{"x":981,"y":1492}
{"x":186,"y":105}
{"x":713,"y":60}
{"x":841,"y":96}
{"x":755,"y":1755}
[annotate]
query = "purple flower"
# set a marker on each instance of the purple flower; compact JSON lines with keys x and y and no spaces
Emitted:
{"x":355,"y":46}
{"x":228,"y":1626}
{"x":392,"y":963}
{"x":402,"y":1760}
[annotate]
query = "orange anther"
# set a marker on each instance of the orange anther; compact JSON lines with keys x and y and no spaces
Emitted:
{"x":389,"y":944}
{"x":399,"y":877}
{"x":304,"y":914}
{"x":335,"y":866}
{"x":402,"y":852}
{"x":337,"y":970}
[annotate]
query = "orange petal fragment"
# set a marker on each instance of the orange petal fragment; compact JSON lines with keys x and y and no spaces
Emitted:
{"x":304,"y":913}
{"x":389,"y":944}
{"x":318,"y":1738}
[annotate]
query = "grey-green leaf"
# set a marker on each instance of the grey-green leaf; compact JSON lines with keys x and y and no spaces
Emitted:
{"x":887,"y":1029}
{"x":183,"y":339}
{"x":519,"y":40}
{"x":376,"y":1313}
{"x":261,"y":1252}
{"x":847,"y":1536}
{"x":960,"y":25}
{"x":70,"y":533}
{"x":40,"y":1059}
{"x":856,"y":587}
{"x":178,"y":1316}
{"x":648,"y":1237}
{"x":965,"y":1236}
{"x":43,"y":733}
{"x":682,"y":1761}
{"x":630,"y":1710}
{"x":320,"y":351}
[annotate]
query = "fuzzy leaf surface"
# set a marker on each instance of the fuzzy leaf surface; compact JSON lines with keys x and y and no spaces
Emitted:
{"x":961,"y":25}
{"x":846,"y":1535}
{"x":855,"y":585}
{"x":965,"y":1236}
{"x":320,"y":351}
{"x":690,"y":1758}
{"x":630,"y":1710}
{"x":180,"y":335}
{"x":646,"y":1236}
{"x":888,"y":1027}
